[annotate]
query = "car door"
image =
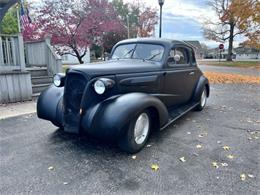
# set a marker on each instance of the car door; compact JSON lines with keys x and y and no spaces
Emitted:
{"x":180,"y":76}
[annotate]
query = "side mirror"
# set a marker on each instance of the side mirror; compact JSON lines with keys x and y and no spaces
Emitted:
{"x":177,"y":58}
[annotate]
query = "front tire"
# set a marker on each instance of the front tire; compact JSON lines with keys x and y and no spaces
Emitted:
{"x":138,"y":131}
{"x":203,"y":100}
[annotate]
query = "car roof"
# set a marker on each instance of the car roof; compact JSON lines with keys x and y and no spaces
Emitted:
{"x":162,"y":41}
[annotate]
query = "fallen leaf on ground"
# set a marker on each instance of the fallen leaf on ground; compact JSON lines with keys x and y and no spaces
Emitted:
{"x":224,"y":164}
{"x":199,"y":146}
{"x":226,"y":148}
{"x":195,"y":154}
{"x":148,"y":145}
{"x":134,"y":157}
{"x":202,"y":135}
{"x":250,"y":176}
{"x":188,"y":133}
{"x":243,"y":177}
{"x":256,"y":137}
{"x":230,"y":156}
{"x":218,"y":77}
{"x":182,"y":159}
{"x":154,"y":167}
{"x":219,"y":142}
{"x":65,"y":183}
{"x":50,"y":168}
{"x":249,"y":138}
{"x":215,"y":164}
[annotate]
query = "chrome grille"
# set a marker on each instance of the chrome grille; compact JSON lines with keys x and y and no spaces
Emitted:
{"x":74,"y":88}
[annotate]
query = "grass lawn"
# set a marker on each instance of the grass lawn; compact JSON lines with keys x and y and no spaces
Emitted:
{"x":255,"y":64}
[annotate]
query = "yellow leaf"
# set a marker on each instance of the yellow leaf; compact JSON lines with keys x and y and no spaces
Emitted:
{"x":51,"y":168}
{"x":134,"y":157}
{"x":154,"y":167}
{"x":224,"y":164}
{"x":182,"y":159}
{"x":199,"y":146}
{"x":243,"y":177}
{"x":230,"y":156}
{"x":215,"y":164}
{"x":226,"y":148}
{"x":203,"y":134}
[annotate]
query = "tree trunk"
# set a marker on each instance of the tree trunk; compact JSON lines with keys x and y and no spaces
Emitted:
{"x":230,"y":43}
{"x":79,"y":56}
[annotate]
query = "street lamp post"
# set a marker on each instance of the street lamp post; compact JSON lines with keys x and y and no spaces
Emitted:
{"x":161,"y":2}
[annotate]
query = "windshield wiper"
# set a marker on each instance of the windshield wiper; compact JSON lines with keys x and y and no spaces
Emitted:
{"x":152,"y":57}
{"x":128,"y":52}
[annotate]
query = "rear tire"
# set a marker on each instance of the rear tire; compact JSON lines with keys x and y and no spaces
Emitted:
{"x":203,"y":100}
{"x":137,"y":134}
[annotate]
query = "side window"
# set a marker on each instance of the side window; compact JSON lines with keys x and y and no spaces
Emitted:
{"x":178,"y":56}
{"x":193,"y":58}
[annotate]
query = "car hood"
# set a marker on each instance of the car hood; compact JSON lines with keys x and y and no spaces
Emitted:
{"x":117,"y":67}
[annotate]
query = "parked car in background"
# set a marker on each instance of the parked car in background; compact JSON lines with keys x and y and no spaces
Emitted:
{"x":145,"y":85}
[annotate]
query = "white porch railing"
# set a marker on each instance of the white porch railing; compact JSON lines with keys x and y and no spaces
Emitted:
{"x":11,"y":53}
{"x":41,"y":53}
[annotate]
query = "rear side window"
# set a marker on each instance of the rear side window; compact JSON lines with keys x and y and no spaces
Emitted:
{"x":193,"y":58}
{"x":178,"y":56}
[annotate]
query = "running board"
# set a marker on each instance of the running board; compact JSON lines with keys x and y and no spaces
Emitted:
{"x":179,"y":112}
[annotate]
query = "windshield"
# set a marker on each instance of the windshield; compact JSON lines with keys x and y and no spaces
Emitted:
{"x":139,"y":51}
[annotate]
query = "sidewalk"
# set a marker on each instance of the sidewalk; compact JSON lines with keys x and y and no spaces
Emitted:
{"x":16,"y":109}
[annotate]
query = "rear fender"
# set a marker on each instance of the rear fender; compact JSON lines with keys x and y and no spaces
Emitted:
{"x":203,"y":82}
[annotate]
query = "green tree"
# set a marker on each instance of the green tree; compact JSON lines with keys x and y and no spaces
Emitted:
{"x":9,"y":24}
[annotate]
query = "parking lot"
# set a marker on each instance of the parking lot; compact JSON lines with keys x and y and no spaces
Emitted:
{"x":37,"y":158}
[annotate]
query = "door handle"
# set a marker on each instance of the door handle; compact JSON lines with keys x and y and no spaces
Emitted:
{"x":191,"y":73}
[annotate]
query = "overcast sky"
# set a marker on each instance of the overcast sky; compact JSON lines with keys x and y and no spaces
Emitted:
{"x":183,"y":19}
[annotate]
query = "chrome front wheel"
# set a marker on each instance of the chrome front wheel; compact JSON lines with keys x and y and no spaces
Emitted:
{"x":136,"y":133}
{"x":141,"y":128}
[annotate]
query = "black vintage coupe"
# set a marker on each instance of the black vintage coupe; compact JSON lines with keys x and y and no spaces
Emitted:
{"x":145,"y":85}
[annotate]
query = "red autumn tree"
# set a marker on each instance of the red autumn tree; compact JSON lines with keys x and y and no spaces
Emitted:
{"x":74,"y":25}
{"x":147,"y":20}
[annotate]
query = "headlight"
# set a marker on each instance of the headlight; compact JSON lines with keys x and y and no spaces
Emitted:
{"x":99,"y":87}
{"x":102,"y":84}
{"x":58,"y":79}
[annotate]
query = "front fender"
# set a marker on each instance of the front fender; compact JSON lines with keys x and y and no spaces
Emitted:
{"x":108,"y":118}
{"x":49,"y":105}
{"x":203,"y":82}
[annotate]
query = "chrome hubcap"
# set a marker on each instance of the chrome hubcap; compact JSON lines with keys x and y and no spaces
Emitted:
{"x":141,"y":128}
{"x":203,"y":99}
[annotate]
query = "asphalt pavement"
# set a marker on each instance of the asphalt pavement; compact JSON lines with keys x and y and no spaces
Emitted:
{"x":37,"y":158}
